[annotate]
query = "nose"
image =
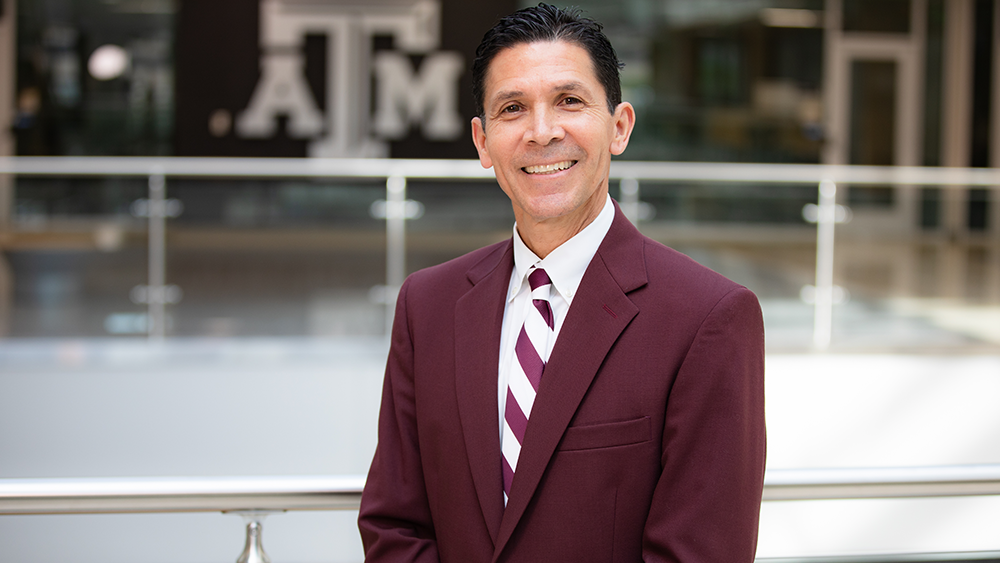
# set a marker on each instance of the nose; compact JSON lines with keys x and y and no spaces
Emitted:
{"x":545,"y":127}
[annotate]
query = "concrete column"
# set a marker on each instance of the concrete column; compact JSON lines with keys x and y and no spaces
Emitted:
{"x":956,"y":133}
{"x":910,"y":115}
{"x":835,"y":95}
{"x":956,"y":103}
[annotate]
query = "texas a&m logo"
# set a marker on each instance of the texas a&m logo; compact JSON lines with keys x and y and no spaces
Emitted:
{"x":354,"y":121}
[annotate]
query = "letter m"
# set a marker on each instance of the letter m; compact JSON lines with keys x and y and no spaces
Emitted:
{"x":430,"y":97}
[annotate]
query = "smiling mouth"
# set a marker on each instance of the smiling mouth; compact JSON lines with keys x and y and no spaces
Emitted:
{"x":549,"y":168}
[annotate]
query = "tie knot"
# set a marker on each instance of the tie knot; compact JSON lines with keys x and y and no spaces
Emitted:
{"x":538,"y":278}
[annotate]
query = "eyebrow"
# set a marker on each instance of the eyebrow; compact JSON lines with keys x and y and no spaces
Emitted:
{"x":505,"y":95}
{"x":569,"y":87}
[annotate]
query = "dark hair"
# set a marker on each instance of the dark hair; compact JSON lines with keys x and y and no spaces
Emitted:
{"x":548,"y":23}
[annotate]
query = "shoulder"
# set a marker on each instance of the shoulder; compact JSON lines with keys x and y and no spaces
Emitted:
{"x":686,"y":302}
{"x":458,"y":274}
{"x":652,"y":271}
{"x":679,"y":286}
{"x":644,"y":266}
{"x":669,"y":268}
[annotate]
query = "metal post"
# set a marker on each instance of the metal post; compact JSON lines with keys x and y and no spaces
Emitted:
{"x":253,"y":549}
{"x":630,"y":199}
{"x":395,"y":242}
{"x":157,"y":257}
{"x":156,"y":294}
{"x":826,"y":219}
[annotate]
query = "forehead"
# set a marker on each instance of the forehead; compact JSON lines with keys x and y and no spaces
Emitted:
{"x":537,"y":63}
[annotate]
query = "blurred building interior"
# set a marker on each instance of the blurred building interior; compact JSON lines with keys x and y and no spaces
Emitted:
{"x":292,"y":272}
{"x":888,"y":82}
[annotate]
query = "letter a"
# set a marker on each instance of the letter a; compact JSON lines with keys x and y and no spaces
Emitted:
{"x":282,"y":90}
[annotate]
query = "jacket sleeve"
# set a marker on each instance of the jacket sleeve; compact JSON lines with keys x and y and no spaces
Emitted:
{"x":395,"y":519}
{"x":706,"y":504}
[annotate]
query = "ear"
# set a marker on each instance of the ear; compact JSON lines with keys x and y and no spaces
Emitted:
{"x":479,"y":139}
{"x":624,"y":121}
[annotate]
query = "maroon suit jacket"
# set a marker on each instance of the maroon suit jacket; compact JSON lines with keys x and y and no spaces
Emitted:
{"x":645,"y":442}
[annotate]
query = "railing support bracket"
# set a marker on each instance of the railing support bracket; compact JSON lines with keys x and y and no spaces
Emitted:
{"x":253,"y":551}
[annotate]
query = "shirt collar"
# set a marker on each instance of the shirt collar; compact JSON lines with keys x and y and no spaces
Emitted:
{"x":566,"y":264}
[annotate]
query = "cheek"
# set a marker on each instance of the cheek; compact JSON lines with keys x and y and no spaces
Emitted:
{"x":510,"y":194}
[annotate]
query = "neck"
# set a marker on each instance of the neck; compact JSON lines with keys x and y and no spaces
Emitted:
{"x":544,"y":236}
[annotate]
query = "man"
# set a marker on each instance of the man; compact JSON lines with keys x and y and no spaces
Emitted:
{"x":579,"y":392}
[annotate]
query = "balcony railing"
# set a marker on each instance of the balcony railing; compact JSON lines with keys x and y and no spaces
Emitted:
{"x":395,"y":209}
{"x":254,"y":497}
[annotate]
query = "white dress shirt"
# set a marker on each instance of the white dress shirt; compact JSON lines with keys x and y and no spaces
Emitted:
{"x":565,"y":267}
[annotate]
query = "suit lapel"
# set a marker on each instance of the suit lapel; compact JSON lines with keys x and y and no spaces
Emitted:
{"x":600,"y":312}
{"x":478,"y":320}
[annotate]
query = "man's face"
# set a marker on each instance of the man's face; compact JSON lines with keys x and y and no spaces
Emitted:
{"x":548,"y":133}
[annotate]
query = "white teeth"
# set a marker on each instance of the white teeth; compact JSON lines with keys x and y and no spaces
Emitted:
{"x":549,"y":168}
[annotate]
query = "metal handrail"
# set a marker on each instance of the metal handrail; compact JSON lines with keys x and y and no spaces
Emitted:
{"x":179,"y":494}
{"x":981,"y":556}
{"x":882,"y":482}
{"x":326,"y":492}
{"x":255,"y":497}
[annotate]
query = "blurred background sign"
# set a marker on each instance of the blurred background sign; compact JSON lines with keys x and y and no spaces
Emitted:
{"x":387,"y":78}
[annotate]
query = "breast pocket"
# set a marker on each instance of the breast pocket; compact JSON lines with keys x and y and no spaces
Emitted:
{"x":606,"y":435}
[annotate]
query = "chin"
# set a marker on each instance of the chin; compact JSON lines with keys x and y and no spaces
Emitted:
{"x":543,"y":212}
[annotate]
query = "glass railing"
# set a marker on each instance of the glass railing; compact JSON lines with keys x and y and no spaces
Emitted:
{"x":286,"y":247}
{"x":264,"y":287}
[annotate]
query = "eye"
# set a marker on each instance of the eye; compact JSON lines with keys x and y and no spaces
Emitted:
{"x":572,"y":100}
{"x":511,"y":108}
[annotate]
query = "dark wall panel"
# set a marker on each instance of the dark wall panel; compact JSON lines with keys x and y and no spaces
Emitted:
{"x":217,"y":67}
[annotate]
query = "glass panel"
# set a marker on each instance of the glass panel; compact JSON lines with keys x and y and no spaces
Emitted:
{"x":979,"y":210}
{"x":458,"y":217}
{"x":930,"y":208}
{"x":62,"y":290}
{"x":932,"y":293}
{"x":253,"y":258}
{"x":881,"y":16}
{"x":725,"y":203}
{"x":894,"y":293}
{"x":74,"y":254}
{"x":304,"y":254}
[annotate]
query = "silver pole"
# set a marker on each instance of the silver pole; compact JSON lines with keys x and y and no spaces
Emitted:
{"x":630,"y":199}
{"x":395,"y":242}
{"x":157,"y":257}
{"x":253,"y":549}
{"x":826,"y":219}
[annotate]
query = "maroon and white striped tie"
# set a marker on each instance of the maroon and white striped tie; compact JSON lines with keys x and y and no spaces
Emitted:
{"x":531,"y":351}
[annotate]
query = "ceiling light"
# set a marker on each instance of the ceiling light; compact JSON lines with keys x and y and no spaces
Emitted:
{"x":108,"y":62}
